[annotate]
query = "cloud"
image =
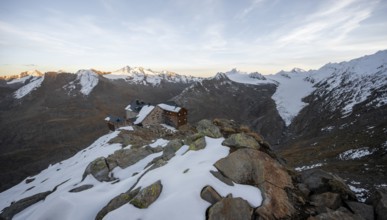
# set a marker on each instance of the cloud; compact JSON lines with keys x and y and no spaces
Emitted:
{"x":246,"y":11}
{"x":330,"y":24}
{"x":30,"y":65}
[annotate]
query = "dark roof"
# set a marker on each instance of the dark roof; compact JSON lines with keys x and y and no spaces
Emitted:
{"x":115,"y":119}
{"x":136,"y":105}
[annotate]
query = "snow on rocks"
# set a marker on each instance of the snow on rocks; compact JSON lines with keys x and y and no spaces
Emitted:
{"x":35,"y":83}
{"x":88,"y":80}
{"x":140,"y":75}
{"x":356,"y":153}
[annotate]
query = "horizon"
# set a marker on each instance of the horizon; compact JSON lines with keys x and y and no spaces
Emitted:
{"x":197,"y":38}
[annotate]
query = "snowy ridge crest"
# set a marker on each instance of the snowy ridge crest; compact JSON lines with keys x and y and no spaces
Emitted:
{"x":140,"y":75}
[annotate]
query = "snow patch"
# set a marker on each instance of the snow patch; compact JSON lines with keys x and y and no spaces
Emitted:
{"x":308,"y":167}
{"x":356,"y":153}
{"x":88,"y":80}
{"x":35,"y":83}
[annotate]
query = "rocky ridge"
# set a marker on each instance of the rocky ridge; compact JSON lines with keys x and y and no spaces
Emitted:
{"x":148,"y":171}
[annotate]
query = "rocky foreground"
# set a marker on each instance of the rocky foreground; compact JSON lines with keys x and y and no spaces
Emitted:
{"x":216,"y":170}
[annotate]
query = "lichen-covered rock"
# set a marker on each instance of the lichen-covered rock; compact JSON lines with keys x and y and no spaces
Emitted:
{"x":227,"y":127}
{"x":127,"y":157}
{"x":207,"y":128}
{"x":210,"y":195}
{"x":198,"y":144}
{"x":327,"y":199}
{"x":253,"y":167}
{"x":230,"y":208}
{"x":99,"y":169}
{"x":117,"y":202}
{"x":319,"y":181}
{"x":241,"y":140}
{"x":147,"y":195}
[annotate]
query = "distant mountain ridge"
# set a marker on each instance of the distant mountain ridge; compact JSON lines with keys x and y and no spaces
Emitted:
{"x":307,"y":110}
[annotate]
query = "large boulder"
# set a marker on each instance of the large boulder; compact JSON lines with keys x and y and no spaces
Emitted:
{"x":207,"y":128}
{"x":241,"y":140}
{"x":319,"y":181}
{"x":253,"y":167}
{"x":99,"y":169}
{"x":147,"y":195}
{"x":230,"y":208}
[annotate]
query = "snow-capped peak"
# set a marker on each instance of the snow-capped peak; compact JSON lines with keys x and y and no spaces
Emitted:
{"x":140,"y":75}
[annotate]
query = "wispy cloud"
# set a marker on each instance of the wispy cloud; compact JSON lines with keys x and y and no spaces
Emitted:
{"x":331,"y":23}
{"x":250,"y":8}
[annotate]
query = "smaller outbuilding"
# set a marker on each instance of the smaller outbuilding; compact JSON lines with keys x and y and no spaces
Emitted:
{"x":114,"y":122}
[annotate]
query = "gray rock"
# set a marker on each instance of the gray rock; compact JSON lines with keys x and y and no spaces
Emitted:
{"x":14,"y":208}
{"x":380,"y":203}
{"x":82,"y":188}
{"x":198,"y":144}
{"x":364,"y":210}
{"x":171,"y":148}
{"x":117,"y":202}
{"x":127,"y":157}
{"x":222,"y":178}
{"x":207,"y":128}
{"x":147,"y":196}
{"x":226,"y":126}
{"x":319,"y":181}
{"x":336,"y":215}
{"x":210,"y":195}
{"x":99,"y":169}
{"x":252,"y":167}
{"x":241,"y":140}
{"x":327,"y":199}
{"x":230,"y":208}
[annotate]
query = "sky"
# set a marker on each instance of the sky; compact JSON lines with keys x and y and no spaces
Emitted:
{"x":196,"y":37}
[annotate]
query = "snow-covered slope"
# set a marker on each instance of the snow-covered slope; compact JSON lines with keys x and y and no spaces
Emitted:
{"x":139,"y":75}
{"x":182,"y":179}
{"x":346,"y":83}
{"x":292,"y":86}
{"x":86,"y":79}
{"x":34,"y":83}
{"x":350,"y":83}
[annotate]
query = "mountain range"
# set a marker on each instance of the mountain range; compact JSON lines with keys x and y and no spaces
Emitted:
{"x":334,"y":118}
